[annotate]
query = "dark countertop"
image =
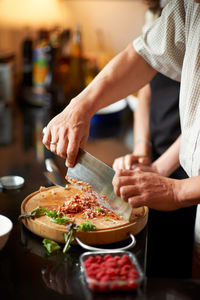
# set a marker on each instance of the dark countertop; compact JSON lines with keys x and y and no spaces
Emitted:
{"x":26,"y":270}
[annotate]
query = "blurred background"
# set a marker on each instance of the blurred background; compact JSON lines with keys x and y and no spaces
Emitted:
{"x":50,"y":50}
{"x":58,"y":46}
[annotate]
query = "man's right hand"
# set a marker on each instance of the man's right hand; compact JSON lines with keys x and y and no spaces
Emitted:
{"x":67,"y":132}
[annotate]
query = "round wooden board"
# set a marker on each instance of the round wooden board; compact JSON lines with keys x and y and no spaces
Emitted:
{"x":107,"y":231}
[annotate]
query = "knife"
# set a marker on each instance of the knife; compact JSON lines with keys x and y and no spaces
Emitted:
{"x":99,"y":175}
{"x":54,"y":174}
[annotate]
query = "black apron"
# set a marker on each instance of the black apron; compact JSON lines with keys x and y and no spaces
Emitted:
{"x":170,"y":234}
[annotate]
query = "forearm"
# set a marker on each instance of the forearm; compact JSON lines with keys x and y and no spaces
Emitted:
{"x":124,"y":75}
{"x":187,"y":191}
{"x":169,"y":160}
{"x":141,"y":134}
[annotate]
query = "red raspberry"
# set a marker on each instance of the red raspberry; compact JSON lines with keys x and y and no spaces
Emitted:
{"x":123,"y":277}
{"x":111,"y":264}
{"x":126,"y":259}
{"x":102,"y":265}
{"x":110,"y":271}
{"x":90,"y":259}
{"x":110,"y":261}
{"x":91,"y":274}
{"x":116,"y":258}
{"x":93,"y":266}
{"x":133,"y":274}
{"x":98,"y":259}
{"x":120,"y":262}
{"x":123,"y":261}
{"x":86,"y":264}
{"x":100,"y":274}
{"x":125,"y":269}
{"x":107,"y":256}
{"x":105,"y":278}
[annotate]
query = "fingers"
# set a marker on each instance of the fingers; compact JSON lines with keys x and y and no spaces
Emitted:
{"x":128,"y":191}
{"x":141,"y":188}
{"x":72,"y":150}
{"x":54,"y":140}
{"x":62,"y":143}
{"x":128,"y":185}
{"x":145,"y":160}
{"x":136,"y":201}
{"x":123,"y":178}
{"x":84,"y":139}
{"x":66,"y":132}
{"x":47,"y":137}
{"x":125,"y":162}
{"x":128,"y":160}
{"x":118,"y":164}
{"x":73,"y":146}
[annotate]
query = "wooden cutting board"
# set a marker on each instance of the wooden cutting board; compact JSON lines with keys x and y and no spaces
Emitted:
{"x":108,"y":230}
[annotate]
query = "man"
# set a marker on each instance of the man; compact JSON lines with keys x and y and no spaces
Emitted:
{"x":156,"y":127}
{"x":170,"y":46}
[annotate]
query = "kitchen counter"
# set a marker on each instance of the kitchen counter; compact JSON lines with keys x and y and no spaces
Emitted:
{"x":27,"y":271}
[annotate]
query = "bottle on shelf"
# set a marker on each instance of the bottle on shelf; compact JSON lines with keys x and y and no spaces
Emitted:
{"x":41,"y":63}
{"x":27,"y":57}
{"x":91,"y":69}
{"x":76,"y":71}
{"x":63,"y":66}
{"x":43,"y":69}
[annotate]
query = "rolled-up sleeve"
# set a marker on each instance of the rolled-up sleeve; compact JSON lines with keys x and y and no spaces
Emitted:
{"x":163,"y":44}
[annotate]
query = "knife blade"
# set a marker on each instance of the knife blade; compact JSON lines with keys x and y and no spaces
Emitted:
{"x":54,"y":175}
{"x":99,"y":175}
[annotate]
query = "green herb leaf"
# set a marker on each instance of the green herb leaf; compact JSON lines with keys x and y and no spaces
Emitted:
{"x":87,"y":226}
{"x":36,"y":212}
{"x":69,"y":237}
{"x":53,"y":215}
{"x":50,"y":245}
{"x":58,"y":218}
{"x":107,"y":219}
{"x":100,"y":209}
{"x":39,"y":211}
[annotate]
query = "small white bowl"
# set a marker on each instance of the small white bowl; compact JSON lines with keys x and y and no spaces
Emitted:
{"x":5,"y":229}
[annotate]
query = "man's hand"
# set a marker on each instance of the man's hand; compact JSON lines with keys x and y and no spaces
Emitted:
{"x":130,"y":161}
{"x":67,"y":132}
{"x":147,"y":189}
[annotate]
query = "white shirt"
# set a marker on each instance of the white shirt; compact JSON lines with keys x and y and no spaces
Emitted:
{"x":172,"y":47}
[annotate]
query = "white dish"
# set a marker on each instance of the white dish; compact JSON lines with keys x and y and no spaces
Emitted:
{"x":132,"y":102}
{"x":113,"y":108}
{"x":5,"y":229}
